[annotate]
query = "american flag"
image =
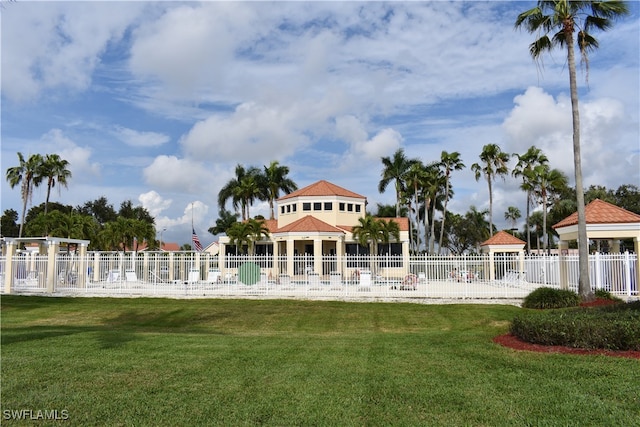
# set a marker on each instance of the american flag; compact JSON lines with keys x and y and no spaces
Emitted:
{"x":196,"y":242}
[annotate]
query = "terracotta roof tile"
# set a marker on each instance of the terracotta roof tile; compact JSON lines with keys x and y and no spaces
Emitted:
{"x":309,"y":224}
{"x":601,"y":212}
{"x":502,"y":238}
{"x":322,"y":188}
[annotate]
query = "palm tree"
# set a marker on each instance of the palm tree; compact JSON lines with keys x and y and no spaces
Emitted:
{"x":494,"y":164}
{"x":526,"y":162}
{"x":367,"y":231}
{"x":257,"y":230}
{"x":389,"y":229}
{"x":395,"y":169}
{"x":415,"y":177}
{"x":450,"y":162}
{"x":513,"y":215}
{"x":546,"y":181}
{"x":26,"y":174}
{"x":240,"y":235}
{"x":54,"y":169}
{"x":275,"y":179}
{"x":242,"y":190}
{"x":568,"y":18}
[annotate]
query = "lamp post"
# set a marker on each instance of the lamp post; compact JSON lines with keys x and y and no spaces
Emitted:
{"x":162,"y":231}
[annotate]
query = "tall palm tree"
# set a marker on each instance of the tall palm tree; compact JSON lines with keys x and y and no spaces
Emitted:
{"x":512,"y":215}
{"x":546,"y":181}
{"x":27,"y":175}
{"x":494,"y":164}
{"x":54,"y":169}
{"x":275,"y":179}
{"x":449,"y":162}
{"x":526,"y":162}
{"x":415,"y":178}
{"x":395,"y":169}
{"x":568,"y":19}
{"x":243,"y":190}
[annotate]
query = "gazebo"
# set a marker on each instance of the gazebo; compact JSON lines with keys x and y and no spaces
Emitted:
{"x":46,"y":246}
{"x":503,"y":242}
{"x":605,"y":221}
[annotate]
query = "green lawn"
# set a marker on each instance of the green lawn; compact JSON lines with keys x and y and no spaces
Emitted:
{"x":170,"y":362}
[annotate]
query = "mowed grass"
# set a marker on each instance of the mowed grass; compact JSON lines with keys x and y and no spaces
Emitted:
{"x":139,"y":362}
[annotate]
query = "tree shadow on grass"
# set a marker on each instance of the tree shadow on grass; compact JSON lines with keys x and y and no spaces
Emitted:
{"x":119,"y":330}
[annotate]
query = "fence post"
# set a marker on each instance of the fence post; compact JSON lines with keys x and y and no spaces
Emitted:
{"x":627,"y":272}
{"x":598,"y":270}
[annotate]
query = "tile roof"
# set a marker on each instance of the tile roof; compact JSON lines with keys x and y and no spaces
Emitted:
{"x":502,"y":238}
{"x":322,"y":188}
{"x":601,"y":212}
{"x":309,"y":224}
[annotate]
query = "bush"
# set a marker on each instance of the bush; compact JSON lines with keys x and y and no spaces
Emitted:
{"x":613,"y":327}
{"x":602,"y":294}
{"x":551,"y":298}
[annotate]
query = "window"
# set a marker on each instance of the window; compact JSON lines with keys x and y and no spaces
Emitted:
{"x":282,"y":209}
{"x":341,"y":207}
{"x":350,"y":207}
{"x":288,"y":208}
{"x":328,"y":206}
{"x":306,"y":206}
{"x":317,"y":206}
{"x":294,"y":208}
{"x":358,"y":208}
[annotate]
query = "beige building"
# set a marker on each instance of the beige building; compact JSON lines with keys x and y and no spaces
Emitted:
{"x":317,"y":222}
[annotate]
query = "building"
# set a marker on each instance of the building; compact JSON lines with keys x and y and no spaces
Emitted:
{"x":316,"y":223}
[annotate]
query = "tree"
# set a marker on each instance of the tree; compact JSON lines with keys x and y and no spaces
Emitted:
{"x":247,"y":233}
{"x":389,"y":230}
{"x":449,"y":162}
{"x":546,"y":181}
{"x":416,"y":176}
{"x":226,"y":220}
{"x":27,"y":175}
{"x":568,"y":19}
{"x":9,"y":223}
{"x":494,"y":164}
{"x":526,"y":162}
{"x":100,"y":209}
{"x":242,"y":190}
{"x":389,"y":211}
{"x":54,"y":169}
{"x":395,"y":169}
{"x":127,"y":210}
{"x":367,"y":231}
{"x":275,"y":179}
{"x":512,"y":215}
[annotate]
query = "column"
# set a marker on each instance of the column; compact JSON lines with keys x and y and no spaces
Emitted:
{"x":10,"y":252}
{"x":563,"y":246}
{"x":275,"y":270}
{"x":492,"y":266}
{"x":51,"y":265}
{"x":317,"y":256}
{"x":290,"y":251}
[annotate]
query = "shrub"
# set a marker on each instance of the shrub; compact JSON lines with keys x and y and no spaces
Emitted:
{"x":602,"y":294}
{"x":551,"y":298}
{"x":613,"y":327}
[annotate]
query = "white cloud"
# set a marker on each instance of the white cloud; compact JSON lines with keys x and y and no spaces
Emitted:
{"x":140,"y":139}
{"x":79,"y":158}
{"x":154,"y":203}
{"x":56,"y":45}
{"x":173,"y":174}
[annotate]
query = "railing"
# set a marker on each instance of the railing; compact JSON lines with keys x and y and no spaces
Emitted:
{"x":198,"y":274}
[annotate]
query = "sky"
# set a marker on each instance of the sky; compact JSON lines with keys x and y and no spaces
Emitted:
{"x":157,"y":102}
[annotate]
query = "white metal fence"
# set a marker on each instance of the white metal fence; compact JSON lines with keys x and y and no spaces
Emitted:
{"x":199,"y":274}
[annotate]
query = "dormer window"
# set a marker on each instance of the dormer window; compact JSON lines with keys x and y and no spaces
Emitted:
{"x":306,"y":206}
{"x":317,"y":206}
{"x":328,"y":206}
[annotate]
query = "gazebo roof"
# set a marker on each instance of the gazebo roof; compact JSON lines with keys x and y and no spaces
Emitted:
{"x":502,"y":238}
{"x":601,"y":212}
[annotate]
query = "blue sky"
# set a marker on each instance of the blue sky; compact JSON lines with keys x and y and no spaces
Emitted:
{"x":156,"y":102}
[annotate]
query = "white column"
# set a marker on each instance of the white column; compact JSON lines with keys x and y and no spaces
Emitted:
{"x":10,"y":252}
{"x":51,"y":266}
{"x":317,"y":255}
{"x":290,"y":245}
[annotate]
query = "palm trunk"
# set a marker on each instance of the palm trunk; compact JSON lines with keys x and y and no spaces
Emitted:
{"x":527,"y":223}
{"x":46,"y":202}
{"x":544,"y":222}
{"x":432,"y":234}
{"x":444,"y":214}
{"x":584,"y":284}
{"x":427,"y":203}
{"x":490,"y":206}
{"x":24,"y":211}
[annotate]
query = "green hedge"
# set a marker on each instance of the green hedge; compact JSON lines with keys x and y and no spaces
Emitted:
{"x":551,"y":298}
{"x":614,"y":327}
